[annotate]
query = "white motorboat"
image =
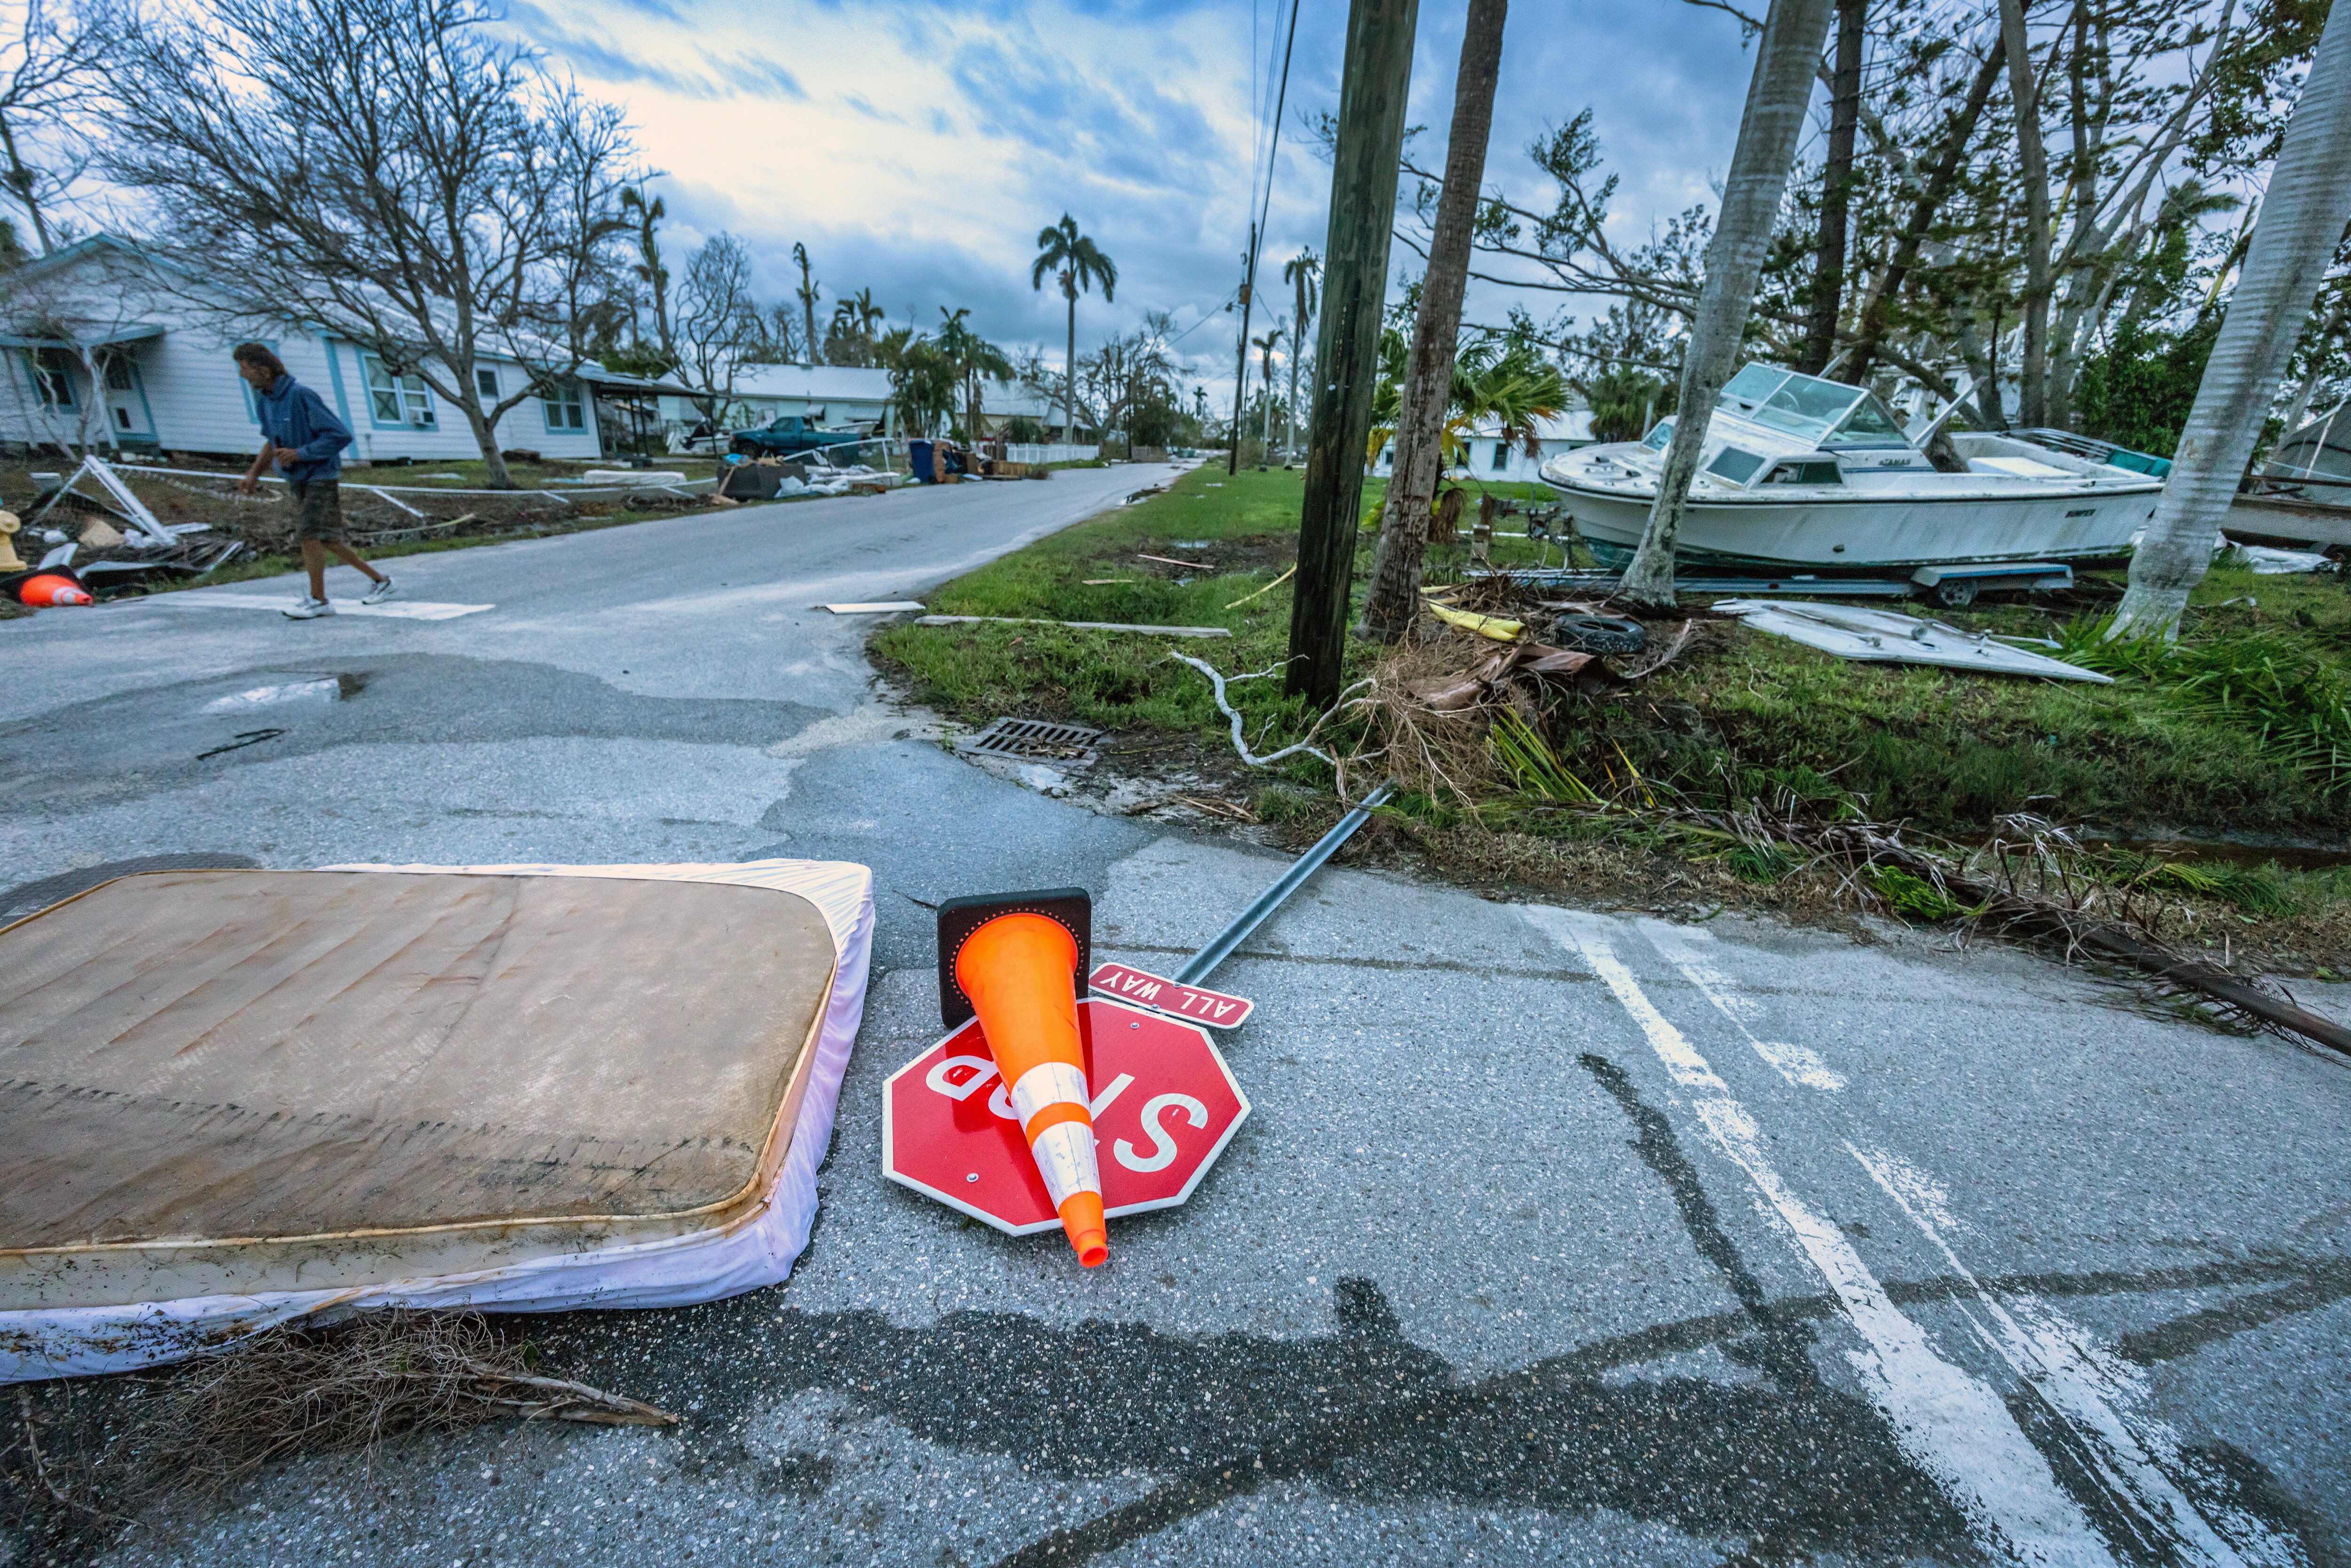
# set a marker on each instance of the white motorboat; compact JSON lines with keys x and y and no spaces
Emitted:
{"x":1805,"y":475}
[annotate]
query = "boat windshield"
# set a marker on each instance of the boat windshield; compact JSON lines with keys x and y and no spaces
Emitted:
{"x":1870,"y":424}
{"x":1750,"y":386}
{"x":1658,"y":437}
{"x":1807,"y":406}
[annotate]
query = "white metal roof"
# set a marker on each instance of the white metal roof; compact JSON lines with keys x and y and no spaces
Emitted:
{"x":819,"y":383}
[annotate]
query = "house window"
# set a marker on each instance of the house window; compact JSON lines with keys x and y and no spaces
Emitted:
{"x":118,"y":373}
{"x":486,"y":381}
{"x":560,"y":400}
{"x":397,"y":400}
{"x":52,"y":374}
{"x":1501,"y":456}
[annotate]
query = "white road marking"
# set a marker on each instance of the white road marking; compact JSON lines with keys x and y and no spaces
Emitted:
{"x":1952,"y":1424}
{"x":1683,"y":946}
{"x":2088,"y":1386}
{"x":394,"y":610}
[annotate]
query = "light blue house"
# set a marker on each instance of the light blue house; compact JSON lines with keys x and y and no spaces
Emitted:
{"x":101,"y":355}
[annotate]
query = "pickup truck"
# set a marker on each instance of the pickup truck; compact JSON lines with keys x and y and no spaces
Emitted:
{"x":790,"y":435}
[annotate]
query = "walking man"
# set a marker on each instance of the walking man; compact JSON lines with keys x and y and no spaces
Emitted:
{"x":300,"y":435}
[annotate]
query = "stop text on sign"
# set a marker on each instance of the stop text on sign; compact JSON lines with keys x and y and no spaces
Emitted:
{"x":1195,"y":1004}
{"x":1163,"y":1102}
{"x":961,"y":1077}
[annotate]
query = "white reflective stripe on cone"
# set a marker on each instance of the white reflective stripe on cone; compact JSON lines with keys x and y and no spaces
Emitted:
{"x":1065,"y":1158}
{"x":1048,"y":1084}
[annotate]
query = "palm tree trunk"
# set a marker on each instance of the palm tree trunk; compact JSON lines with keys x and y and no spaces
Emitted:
{"x":2032,"y":168}
{"x":1069,"y":375}
{"x":2302,"y":216}
{"x":1777,"y":97}
{"x":1836,"y":187}
{"x":1394,"y":602}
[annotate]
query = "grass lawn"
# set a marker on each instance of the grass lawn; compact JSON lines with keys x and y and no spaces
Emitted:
{"x":2245,"y":736}
{"x":1241,"y":527}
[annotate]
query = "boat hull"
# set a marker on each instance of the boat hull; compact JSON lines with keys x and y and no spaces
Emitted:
{"x":1869,"y":532}
{"x":2288,"y":520}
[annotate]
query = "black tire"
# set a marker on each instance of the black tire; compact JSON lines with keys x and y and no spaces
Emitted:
{"x":1599,"y":634}
{"x":743,"y":449}
{"x":1956,"y":592}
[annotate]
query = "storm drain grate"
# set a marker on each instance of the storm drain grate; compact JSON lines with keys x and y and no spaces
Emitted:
{"x":1035,"y":737}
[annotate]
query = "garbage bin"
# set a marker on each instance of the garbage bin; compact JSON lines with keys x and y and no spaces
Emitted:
{"x":922,"y":457}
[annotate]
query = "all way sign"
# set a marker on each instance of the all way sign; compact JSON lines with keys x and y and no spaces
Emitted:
{"x":1193,"y":1004}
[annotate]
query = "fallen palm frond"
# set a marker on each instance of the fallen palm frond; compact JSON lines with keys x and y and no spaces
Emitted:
{"x":207,"y":1426}
{"x":2031,"y":880}
{"x":1535,"y":763}
{"x":2288,"y":703}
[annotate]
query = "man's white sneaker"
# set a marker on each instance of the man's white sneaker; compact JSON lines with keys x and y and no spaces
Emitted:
{"x":380,"y":592}
{"x":308,"y":608}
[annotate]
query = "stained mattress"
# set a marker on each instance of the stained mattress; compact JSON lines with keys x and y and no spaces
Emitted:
{"x":302,"y":1092}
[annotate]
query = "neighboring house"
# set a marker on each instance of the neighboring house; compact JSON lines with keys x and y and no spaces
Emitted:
{"x":998,"y":406}
{"x":1491,"y":459}
{"x":835,"y":397}
{"x":101,"y":354}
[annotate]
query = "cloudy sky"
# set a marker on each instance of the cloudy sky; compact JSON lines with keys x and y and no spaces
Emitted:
{"x":917,"y":148}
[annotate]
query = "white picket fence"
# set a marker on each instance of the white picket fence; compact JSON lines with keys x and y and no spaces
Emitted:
{"x":1055,"y":452}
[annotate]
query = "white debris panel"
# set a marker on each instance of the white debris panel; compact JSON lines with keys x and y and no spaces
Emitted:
{"x":233,"y":1099}
{"x":1881,"y":636}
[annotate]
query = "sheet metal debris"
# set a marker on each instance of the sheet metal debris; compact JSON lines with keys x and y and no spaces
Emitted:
{"x":875,"y":607}
{"x":127,"y":506}
{"x":1880,"y":636}
{"x":2267,"y":561}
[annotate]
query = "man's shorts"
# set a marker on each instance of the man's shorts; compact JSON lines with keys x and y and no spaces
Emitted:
{"x":319,"y":511}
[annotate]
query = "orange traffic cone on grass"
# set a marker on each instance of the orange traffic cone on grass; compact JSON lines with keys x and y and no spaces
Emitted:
{"x":1019,"y":971}
{"x":50,"y":589}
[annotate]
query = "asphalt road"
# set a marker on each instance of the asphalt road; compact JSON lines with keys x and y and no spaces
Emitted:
{"x":1553,"y":1236}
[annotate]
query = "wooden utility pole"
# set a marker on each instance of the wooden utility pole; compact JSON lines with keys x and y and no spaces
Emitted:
{"x":1347,"y":359}
{"x":1240,"y":353}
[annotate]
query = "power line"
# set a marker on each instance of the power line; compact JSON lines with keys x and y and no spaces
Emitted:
{"x":1256,"y":228}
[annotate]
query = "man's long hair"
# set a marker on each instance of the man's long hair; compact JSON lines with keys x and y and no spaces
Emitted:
{"x":259,"y":354}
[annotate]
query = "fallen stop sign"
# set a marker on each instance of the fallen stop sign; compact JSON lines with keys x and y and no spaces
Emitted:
{"x":1165,"y":1106}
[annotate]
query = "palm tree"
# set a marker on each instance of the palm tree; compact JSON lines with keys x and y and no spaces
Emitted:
{"x":973,"y":357}
{"x":807,"y":292}
{"x":1265,"y":346}
{"x":921,"y":378}
{"x":1777,"y":97}
{"x":864,"y":312}
{"x":1301,"y":272}
{"x":1064,"y":254}
{"x":2302,"y":216}
{"x":1395,"y":601}
{"x":650,"y":269}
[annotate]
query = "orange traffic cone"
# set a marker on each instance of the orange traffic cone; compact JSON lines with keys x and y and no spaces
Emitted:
{"x":1019,"y":971}
{"x":49,"y":589}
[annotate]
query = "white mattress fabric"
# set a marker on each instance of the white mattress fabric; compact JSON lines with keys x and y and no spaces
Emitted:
{"x":754,"y":1250}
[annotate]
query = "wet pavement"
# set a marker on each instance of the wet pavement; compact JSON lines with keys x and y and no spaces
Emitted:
{"x":1552,"y":1236}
